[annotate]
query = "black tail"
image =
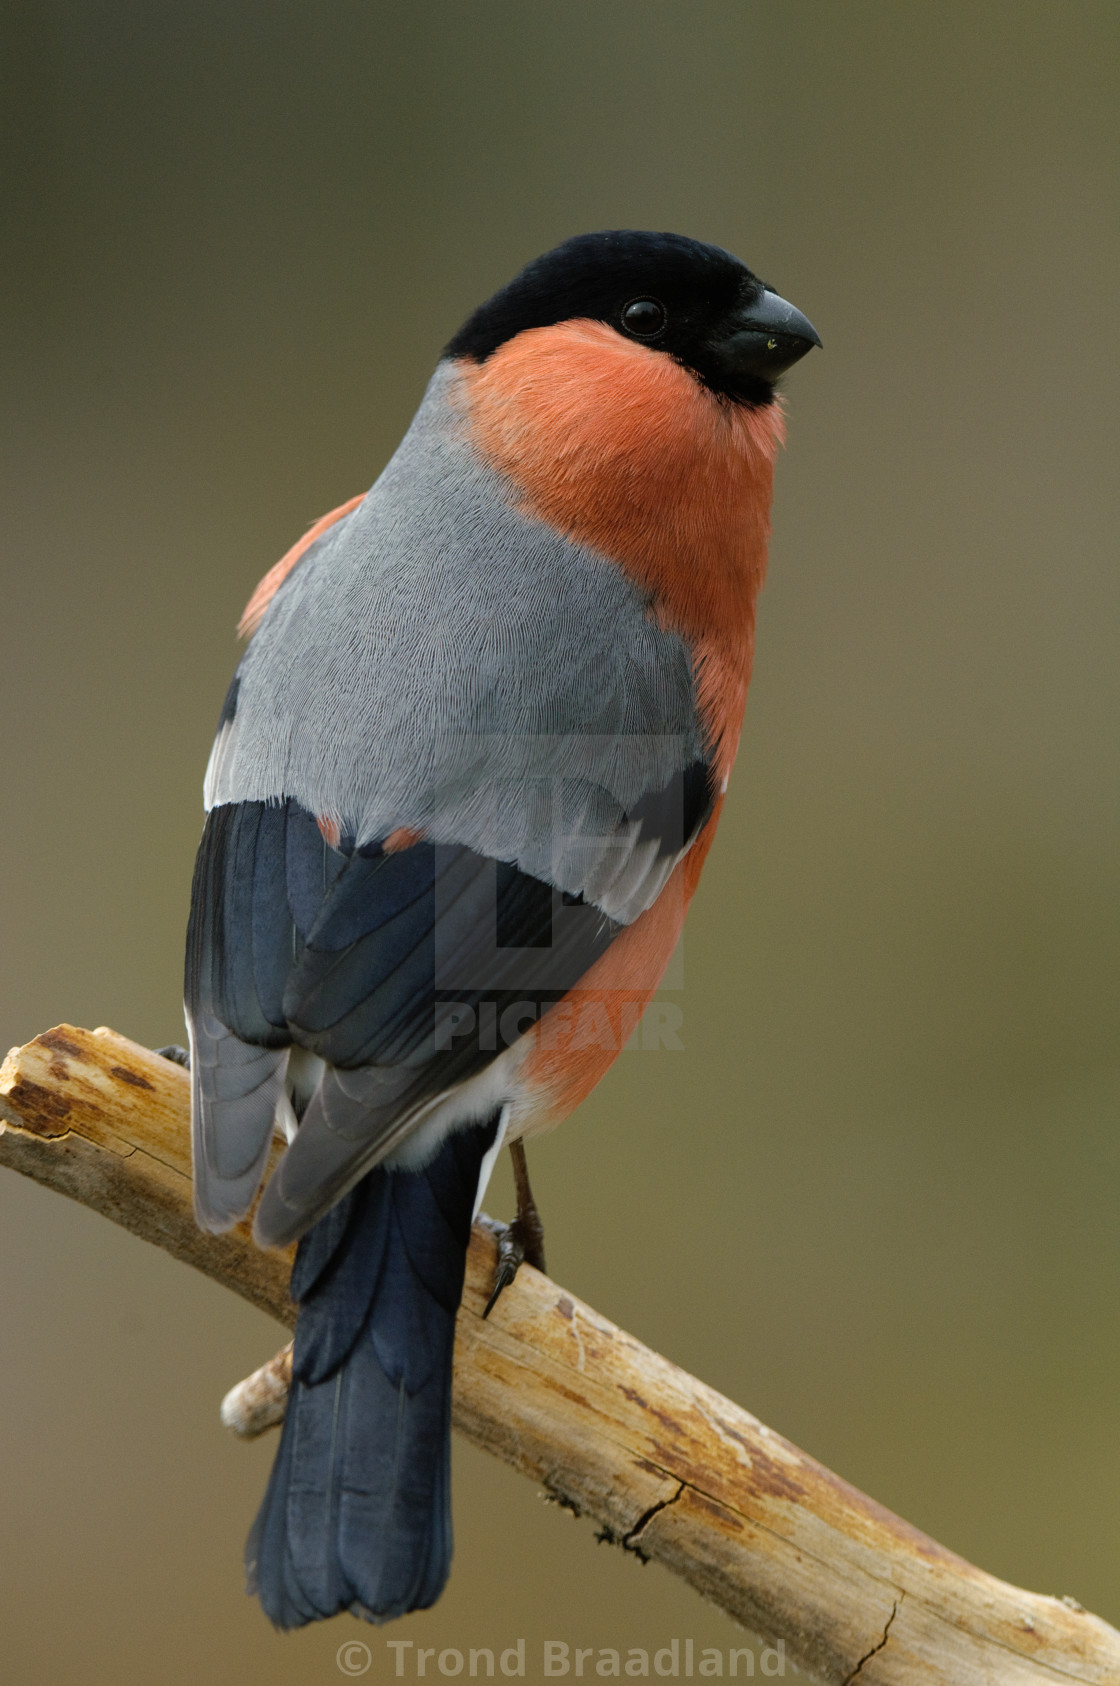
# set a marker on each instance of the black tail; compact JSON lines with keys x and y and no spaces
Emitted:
{"x":357,"y":1514}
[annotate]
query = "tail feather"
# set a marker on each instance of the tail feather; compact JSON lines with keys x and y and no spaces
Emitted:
{"x":357,"y":1512}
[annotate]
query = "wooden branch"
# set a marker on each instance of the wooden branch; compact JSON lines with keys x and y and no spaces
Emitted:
{"x":667,"y":1467}
{"x":260,"y":1401}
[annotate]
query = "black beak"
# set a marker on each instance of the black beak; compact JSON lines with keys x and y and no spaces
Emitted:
{"x":765,"y":338}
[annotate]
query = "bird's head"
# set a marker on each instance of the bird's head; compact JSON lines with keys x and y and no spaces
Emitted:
{"x":691,"y":302}
{"x":623,"y":386}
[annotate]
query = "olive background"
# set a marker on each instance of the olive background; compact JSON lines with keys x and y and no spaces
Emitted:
{"x":875,"y":1198}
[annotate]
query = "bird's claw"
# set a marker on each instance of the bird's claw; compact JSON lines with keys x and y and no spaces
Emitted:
{"x":522,"y":1241}
{"x":176,"y":1054}
{"x":510,"y":1257}
{"x":519,"y":1243}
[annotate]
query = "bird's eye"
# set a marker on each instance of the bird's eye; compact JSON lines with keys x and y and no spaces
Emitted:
{"x":644,"y":317}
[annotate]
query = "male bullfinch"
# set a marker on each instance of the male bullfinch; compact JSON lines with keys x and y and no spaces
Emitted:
{"x":463,"y":785}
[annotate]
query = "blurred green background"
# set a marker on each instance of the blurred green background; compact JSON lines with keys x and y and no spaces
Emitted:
{"x":875,"y":1198}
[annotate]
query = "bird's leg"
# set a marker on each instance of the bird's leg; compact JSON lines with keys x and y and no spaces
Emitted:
{"x":522,"y":1241}
{"x":527,"y":1225}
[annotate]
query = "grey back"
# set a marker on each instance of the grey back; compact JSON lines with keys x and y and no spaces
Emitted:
{"x":440,"y":660}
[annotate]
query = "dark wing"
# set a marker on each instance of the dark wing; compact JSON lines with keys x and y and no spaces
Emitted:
{"x":406,"y":972}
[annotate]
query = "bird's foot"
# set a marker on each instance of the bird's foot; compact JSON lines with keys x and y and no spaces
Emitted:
{"x":515,"y":1248}
{"x":176,"y":1054}
{"x":522,"y":1241}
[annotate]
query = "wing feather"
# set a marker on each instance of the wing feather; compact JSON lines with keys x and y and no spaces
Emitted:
{"x":365,"y":951}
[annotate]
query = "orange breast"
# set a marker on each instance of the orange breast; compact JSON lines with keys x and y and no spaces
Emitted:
{"x":580,"y":1038}
{"x":621,"y":448}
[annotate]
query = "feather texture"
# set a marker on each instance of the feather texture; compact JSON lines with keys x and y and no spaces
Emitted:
{"x":407,"y":973}
{"x":440,"y":660}
{"x":357,"y":1511}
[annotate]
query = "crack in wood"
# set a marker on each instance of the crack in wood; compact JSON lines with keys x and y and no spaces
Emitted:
{"x":629,"y":1541}
{"x":875,"y":1649}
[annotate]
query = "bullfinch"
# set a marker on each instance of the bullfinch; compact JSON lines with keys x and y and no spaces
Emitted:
{"x":464,"y":782}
